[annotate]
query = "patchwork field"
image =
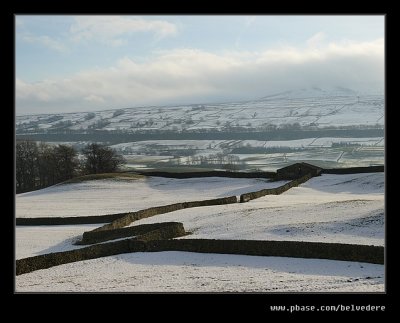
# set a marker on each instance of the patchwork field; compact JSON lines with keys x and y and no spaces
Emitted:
{"x":330,"y":128}
{"x":304,"y":109}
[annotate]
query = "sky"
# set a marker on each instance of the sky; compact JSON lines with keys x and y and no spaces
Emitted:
{"x":82,"y":63}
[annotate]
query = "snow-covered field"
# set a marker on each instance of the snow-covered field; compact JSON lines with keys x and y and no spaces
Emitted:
{"x":266,"y":155}
{"x":99,"y":197}
{"x":139,"y":146}
{"x":329,"y":208}
{"x":38,"y":240}
{"x":340,"y":109}
{"x":196,"y":272}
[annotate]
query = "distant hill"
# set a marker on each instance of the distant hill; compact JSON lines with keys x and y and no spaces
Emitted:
{"x":313,"y":92}
{"x":314,"y":108}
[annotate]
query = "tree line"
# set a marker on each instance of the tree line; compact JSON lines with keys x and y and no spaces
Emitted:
{"x":115,"y":137}
{"x":39,"y":165}
{"x":228,"y":162}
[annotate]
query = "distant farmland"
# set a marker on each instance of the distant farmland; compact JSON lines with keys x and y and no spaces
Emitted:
{"x":334,"y":130}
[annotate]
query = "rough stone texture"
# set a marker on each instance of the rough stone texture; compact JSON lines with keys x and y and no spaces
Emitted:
{"x":70,"y":220}
{"x":134,"y":216}
{"x":156,"y":231}
{"x":354,"y":170}
{"x":297,"y":170}
{"x":296,"y":249}
{"x":208,"y":174}
{"x":147,"y":232}
{"x":27,"y":265}
{"x":274,"y":191}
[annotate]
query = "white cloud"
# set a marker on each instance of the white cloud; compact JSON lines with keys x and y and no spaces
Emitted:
{"x":110,"y":28}
{"x":190,"y":76}
{"x":46,"y":41}
{"x":316,"y":39}
{"x":94,"y":98}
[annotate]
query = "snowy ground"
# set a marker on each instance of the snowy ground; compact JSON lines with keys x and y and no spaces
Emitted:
{"x":38,"y":240}
{"x":195,"y":272}
{"x":99,"y":197}
{"x":329,"y":208}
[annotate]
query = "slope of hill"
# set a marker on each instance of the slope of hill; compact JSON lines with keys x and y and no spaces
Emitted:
{"x":303,"y":108}
{"x":115,"y":196}
{"x":329,"y":208}
{"x":315,"y":92}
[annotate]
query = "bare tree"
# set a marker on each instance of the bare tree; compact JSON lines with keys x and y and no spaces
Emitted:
{"x":46,"y":165}
{"x":66,"y":162}
{"x":26,"y":171}
{"x":101,"y":159}
{"x":41,"y":165}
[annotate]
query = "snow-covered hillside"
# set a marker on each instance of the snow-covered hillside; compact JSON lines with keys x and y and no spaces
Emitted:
{"x":329,"y":208}
{"x":332,"y":128}
{"x":99,"y":197}
{"x":304,"y":107}
{"x":316,"y":92}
